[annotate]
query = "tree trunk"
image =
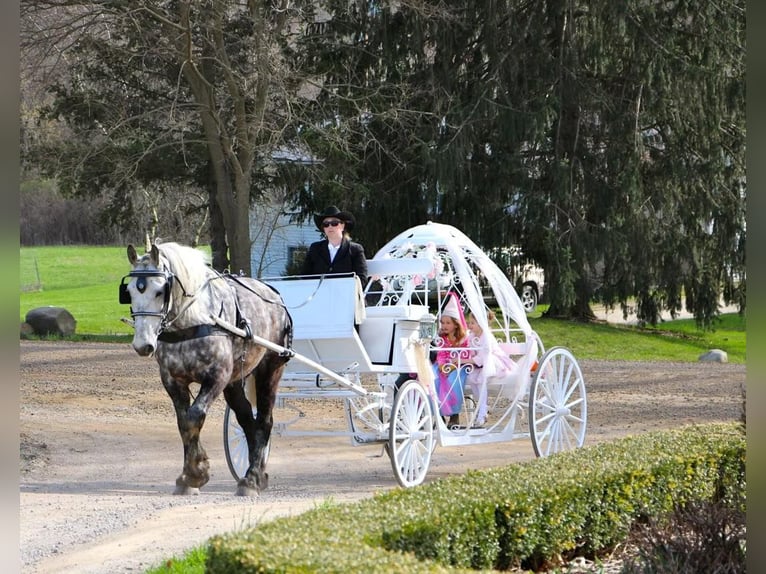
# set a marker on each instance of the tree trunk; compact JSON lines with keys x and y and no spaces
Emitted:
{"x":218,"y":247}
{"x":231,"y":155}
{"x":239,"y":226}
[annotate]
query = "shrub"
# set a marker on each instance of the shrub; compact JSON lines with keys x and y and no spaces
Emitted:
{"x":534,"y":514}
{"x":697,"y":538}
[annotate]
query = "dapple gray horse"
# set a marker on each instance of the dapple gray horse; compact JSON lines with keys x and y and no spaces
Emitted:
{"x":181,"y":309}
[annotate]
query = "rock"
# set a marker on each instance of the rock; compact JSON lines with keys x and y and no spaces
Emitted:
{"x":714,"y":356}
{"x":51,"y":321}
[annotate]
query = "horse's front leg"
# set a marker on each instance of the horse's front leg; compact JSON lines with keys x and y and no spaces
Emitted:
{"x":181,"y":398}
{"x":191,"y":418}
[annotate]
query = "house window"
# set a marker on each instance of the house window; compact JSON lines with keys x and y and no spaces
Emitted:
{"x":295,"y":259}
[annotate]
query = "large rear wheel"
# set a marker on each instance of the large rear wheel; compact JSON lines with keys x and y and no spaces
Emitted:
{"x":411,"y":434}
{"x":558,"y":411}
{"x":235,"y":445}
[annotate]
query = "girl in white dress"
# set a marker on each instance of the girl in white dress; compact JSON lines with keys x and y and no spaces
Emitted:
{"x":488,"y":361}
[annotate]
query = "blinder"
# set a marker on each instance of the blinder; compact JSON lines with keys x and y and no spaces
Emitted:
{"x":141,"y":275}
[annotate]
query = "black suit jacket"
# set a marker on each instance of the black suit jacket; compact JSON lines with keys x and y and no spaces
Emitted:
{"x":350,"y":257}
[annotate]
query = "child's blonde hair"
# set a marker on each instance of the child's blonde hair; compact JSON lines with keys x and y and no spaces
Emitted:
{"x":490,"y":316}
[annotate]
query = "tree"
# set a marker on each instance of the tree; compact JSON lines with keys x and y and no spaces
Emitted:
{"x":201,"y":74}
{"x":606,"y":138}
{"x":103,"y":127}
{"x":647,"y":173}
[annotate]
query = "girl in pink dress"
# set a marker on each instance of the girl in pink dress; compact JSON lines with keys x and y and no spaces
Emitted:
{"x":450,"y":364}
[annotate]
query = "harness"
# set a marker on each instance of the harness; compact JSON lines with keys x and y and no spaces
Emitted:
{"x":196,"y":332}
{"x":243,"y":329}
{"x":244,"y":324}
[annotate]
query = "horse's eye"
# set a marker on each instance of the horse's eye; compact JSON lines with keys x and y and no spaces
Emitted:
{"x":159,"y":293}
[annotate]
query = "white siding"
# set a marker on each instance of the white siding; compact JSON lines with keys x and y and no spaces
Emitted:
{"x":273,"y":235}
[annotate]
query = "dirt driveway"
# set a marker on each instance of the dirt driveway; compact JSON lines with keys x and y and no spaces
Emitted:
{"x":100,"y":453}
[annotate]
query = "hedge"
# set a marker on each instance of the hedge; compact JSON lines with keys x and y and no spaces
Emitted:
{"x":580,"y":502}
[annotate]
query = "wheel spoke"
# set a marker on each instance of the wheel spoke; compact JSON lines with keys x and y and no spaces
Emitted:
{"x":571,"y":389}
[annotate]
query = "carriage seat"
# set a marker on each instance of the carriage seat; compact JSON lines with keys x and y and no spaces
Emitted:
{"x":524,"y":354}
{"x":392,"y":322}
{"x":402,"y":266}
{"x":324,"y":311}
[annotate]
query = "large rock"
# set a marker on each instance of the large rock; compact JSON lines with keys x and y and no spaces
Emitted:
{"x":714,"y":356}
{"x":51,"y":321}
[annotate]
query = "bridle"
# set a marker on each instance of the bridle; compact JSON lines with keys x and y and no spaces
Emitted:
{"x":141,"y":276}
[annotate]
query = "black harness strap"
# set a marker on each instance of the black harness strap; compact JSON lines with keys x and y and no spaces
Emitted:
{"x":246,"y":325}
{"x":189,"y":333}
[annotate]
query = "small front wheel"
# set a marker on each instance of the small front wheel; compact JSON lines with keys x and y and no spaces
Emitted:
{"x":411,"y":434}
{"x":235,"y":445}
{"x":558,"y":411}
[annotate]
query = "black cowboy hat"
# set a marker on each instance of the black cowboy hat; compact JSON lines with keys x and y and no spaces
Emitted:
{"x":333,"y":211}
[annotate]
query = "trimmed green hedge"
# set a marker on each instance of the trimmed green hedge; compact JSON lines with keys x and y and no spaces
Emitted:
{"x":578,"y":502}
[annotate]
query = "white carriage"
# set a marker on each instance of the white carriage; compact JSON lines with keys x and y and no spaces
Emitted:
{"x":352,"y":343}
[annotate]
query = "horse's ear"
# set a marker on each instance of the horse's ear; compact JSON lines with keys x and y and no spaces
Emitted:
{"x":132,"y":255}
{"x":155,"y":254}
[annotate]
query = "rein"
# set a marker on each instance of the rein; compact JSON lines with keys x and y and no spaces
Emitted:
{"x":191,"y":297}
{"x":236,"y":280}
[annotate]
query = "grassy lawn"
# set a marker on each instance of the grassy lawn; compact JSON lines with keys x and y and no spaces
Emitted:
{"x":85,"y":281}
{"x":678,"y":340}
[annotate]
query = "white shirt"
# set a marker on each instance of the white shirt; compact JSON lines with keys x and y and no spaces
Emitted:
{"x":333,"y":250}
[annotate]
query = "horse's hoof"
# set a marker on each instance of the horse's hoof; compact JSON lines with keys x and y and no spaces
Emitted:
{"x":246,"y":488}
{"x":186,"y":490}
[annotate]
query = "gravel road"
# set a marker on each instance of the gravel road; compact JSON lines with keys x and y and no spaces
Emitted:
{"x":100,"y":452}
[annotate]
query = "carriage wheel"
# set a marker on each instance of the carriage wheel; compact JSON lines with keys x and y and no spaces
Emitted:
{"x":235,"y":445}
{"x":557,"y":404}
{"x":411,"y":434}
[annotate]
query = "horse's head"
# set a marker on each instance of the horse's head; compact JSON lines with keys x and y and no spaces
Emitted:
{"x":148,"y":291}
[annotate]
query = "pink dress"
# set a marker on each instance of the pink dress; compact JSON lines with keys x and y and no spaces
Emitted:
{"x":448,"y":378}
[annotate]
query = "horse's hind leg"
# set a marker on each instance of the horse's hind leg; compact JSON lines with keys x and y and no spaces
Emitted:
{"x":258,"y":431}
{"x":237,"y":400}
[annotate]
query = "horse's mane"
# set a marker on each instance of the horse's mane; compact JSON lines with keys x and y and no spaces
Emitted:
{"x":189,"y":265}
{"x":192,"y":270}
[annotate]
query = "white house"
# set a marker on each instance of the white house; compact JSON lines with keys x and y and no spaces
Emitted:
{"x":277,"y":243}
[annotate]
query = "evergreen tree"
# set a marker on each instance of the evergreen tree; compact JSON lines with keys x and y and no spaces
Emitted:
{"x":606,"y":138}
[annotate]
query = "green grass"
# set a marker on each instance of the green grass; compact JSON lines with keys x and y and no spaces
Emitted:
{"x":85,"y":280}
{"x":678,"y":340}
{"x":192,"y":562}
